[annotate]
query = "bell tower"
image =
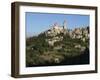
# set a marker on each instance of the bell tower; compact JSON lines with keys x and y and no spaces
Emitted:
{"x":65,"y":25}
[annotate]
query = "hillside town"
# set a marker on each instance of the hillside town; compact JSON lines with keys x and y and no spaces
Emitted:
{"x":77,"y":33}
{"x":58,"y":45}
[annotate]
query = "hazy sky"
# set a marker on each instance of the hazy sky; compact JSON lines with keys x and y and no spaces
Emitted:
{"x":38,"y":22}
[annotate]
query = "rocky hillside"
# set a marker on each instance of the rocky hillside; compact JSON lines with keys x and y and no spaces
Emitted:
{"x":58,"y":45}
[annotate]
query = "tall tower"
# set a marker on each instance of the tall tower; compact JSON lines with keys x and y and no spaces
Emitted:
{"x":65,"y":25}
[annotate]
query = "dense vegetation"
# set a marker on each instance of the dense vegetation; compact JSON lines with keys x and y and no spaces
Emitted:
{"x":40,"y":53}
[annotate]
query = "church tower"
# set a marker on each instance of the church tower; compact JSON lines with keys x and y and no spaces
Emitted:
{"x":65,"y":25}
